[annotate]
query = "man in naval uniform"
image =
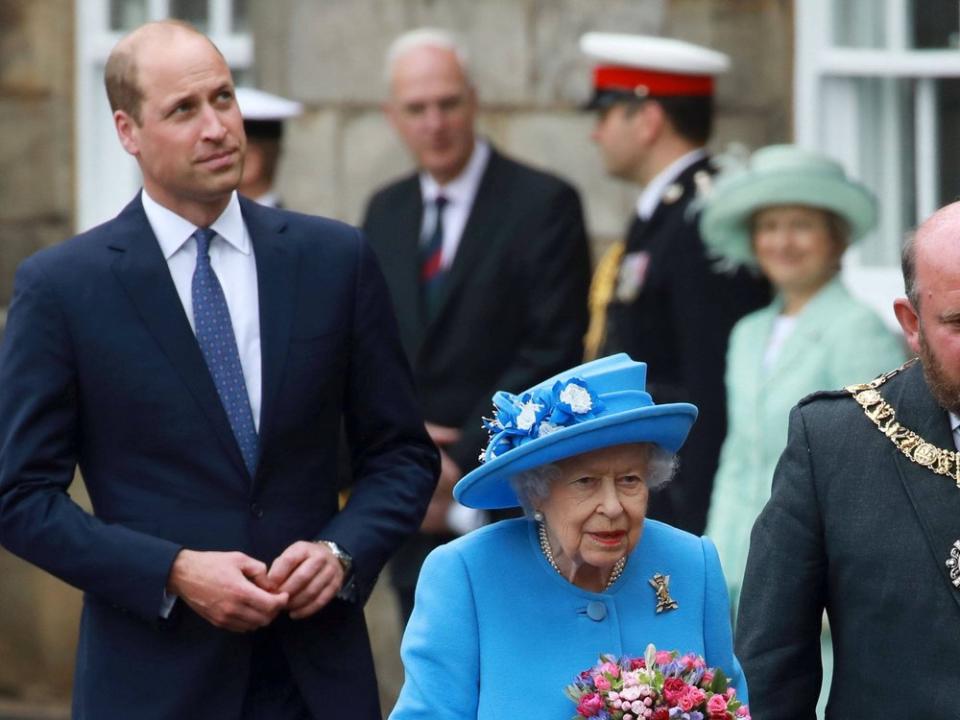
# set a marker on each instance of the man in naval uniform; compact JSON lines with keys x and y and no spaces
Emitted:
{"x":864,"y":522}
{"x":657,"y":295}
{"x":263,"y":117}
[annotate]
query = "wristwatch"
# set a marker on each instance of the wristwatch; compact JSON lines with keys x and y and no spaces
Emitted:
{"x":346,"y":562}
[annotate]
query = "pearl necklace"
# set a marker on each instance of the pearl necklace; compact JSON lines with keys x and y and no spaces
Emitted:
{"x":548,"y":554}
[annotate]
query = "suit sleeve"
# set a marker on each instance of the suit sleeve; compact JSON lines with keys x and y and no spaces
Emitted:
{"x":718,"y":637}
{"x":39,"y":440}
{"x":440,"y":648}
{"x":557,"y":278}
{"x":395,"y":465}
{"x":782,"y":602}
{"x":700,"y":301}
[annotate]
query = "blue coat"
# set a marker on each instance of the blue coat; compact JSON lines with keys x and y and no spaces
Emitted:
{"x":100,"y":368}
{"x":497,"y":633}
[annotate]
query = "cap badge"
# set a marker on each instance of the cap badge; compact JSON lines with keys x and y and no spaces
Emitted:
{"x":673,"y":193}
{"x":661,"y":586}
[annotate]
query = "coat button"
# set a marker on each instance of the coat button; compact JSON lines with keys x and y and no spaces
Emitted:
{"x":256,"y":510}
{"x":596,"y":610}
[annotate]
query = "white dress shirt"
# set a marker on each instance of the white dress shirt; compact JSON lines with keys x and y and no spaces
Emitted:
{"x":653,"y":192}
{"x":232,"y":259}
{"x":955,"y":427}
{"x":460,"y":193}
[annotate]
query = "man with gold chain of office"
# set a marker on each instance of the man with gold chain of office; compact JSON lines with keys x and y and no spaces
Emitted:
{"x":864,"y":522}
{"x":658,"y":296}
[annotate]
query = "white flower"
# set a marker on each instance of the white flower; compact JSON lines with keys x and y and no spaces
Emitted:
{"x":577,"y":397}
{"x":547,"y":427}
{"x":528,"y":415}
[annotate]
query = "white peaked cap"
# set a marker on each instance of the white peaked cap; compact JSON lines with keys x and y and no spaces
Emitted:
{"x":654,"y":53}
{"x":259,"y":105}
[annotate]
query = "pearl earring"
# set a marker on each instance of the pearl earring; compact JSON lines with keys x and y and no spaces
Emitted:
{"x":538,"y":516}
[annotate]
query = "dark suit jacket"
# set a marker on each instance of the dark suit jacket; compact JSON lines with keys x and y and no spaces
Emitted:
{"x":678,"y":323}
{"x":855,"y":527}
{"x":100,"y":367}
{"x":514,"y":303}
{"x":513,"y":309}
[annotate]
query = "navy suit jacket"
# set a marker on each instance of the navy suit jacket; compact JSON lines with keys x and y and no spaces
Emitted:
{"x":100,"y":369}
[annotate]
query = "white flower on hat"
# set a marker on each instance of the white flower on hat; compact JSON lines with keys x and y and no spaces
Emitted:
{"x":528,"y":415}
{"x":577,"y":397}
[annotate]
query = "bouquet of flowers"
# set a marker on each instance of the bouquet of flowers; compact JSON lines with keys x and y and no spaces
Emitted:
{"x":661,"y":685}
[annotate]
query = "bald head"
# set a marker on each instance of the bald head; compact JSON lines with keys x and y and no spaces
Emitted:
{"x":933,"y":244}
{"x":120,"y":74}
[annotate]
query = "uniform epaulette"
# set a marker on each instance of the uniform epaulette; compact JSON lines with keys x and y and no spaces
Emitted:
{"x":824,"y":394}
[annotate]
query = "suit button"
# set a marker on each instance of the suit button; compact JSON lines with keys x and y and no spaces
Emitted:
{"x":256,"y":510}
{"x":596,"y":610}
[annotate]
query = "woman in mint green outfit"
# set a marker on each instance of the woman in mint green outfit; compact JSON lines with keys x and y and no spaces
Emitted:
{"x":792,"y":213}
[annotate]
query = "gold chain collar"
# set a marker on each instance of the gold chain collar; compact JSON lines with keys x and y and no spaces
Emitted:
{"x":918,"y":450}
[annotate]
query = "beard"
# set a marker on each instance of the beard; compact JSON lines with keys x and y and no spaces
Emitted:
{"x":944,"y":390}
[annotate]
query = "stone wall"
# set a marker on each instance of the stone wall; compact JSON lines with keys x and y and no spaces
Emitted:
{"x":530,"y":76}
{"x":36,"y":127}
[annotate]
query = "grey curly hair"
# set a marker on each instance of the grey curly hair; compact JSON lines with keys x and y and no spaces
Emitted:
{"x":533,"y":485}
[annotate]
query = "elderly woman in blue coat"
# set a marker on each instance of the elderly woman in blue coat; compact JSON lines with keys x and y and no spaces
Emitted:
{"x":507,"y":616}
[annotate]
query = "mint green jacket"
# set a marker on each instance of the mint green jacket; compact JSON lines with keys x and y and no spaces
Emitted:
{"x":836,"y":341}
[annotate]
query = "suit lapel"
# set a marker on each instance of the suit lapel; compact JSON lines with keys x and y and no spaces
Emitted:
{"x":142,"y":270}
{"x":409,"y":219}
{"x":277,"y":281}
{"x":935,"y":498}
{"x":807,"y":332}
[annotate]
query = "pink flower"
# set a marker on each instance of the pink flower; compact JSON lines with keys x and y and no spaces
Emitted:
{"x":731,"y":692}
{"x":663,"y":657}
{"x":696,"y":695}
{"x":601,"y":682}
{"x":707,"y":678}
{"x":590,"y":705}
{"x":717,"y":707}
{"x":685,"y":702}
{"x":611,"y":669}
{"x":743,"y":712}
{"x":638,"y":664}
{"x":673,"y":689}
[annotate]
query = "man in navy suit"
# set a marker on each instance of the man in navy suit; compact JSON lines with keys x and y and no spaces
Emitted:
{"x":196,"y":357}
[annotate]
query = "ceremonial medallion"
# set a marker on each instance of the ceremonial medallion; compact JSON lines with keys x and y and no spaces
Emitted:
{"x":953,"y":562}
{"x":661,"y":585}
{"x":673,"y":193}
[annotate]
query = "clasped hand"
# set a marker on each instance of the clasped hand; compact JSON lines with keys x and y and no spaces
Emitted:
{"x":236,"y":592}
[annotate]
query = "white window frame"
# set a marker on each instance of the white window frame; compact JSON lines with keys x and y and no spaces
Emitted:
{"x":827,"y":119}
{"x":106,"y":176}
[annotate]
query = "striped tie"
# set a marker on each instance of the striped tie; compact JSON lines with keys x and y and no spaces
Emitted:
{"x":219,"y":347}
{"x":431,"y":254}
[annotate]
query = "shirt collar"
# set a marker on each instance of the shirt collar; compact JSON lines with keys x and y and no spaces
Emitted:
{"x":173,"y":231}
{"x":462,"y":189}
{"x":653,"y":192}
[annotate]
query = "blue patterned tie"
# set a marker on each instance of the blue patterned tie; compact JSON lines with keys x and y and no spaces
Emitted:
{"x":219,"y":347}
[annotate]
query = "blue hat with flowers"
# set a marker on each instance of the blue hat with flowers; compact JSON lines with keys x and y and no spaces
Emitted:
{"x":595,"y":405}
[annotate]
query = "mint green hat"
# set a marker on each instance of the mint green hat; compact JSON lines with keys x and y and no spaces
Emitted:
{"x":781,"y":175}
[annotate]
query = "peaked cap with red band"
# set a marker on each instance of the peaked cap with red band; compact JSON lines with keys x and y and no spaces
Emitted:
{"x":639,"y":66}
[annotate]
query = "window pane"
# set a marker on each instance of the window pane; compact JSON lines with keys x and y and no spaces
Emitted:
{"x":948,"y":116}
{"x":194,"y":12}
{"x":858,"y":24}
{"x":241,"y":16}
{"x":127,"y":14}
{"x":885,"y":110}
{"x":936,"y":23}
